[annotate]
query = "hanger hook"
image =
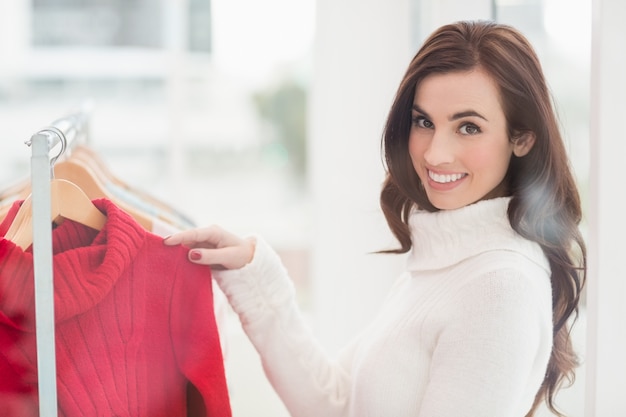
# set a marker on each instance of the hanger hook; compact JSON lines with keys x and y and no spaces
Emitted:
{"x":62,"y":139}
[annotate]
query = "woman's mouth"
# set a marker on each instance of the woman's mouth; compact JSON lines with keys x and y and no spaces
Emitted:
{"x":445,"y":178}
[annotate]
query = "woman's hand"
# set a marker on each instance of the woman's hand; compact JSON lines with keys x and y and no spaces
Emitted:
{"x":214,"y":246}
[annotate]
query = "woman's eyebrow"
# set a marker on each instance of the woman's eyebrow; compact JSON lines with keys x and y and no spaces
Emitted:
{"x":455,"y":116}
{"x":467,"y":113}
{"x":419,"y":110}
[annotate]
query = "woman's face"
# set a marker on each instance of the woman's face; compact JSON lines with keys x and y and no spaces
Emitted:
{"x":458,"y":141}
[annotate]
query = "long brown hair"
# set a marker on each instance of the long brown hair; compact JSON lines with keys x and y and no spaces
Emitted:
{"x":545,"y":205}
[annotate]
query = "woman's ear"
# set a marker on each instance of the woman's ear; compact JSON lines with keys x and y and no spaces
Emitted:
{"x":523,"y":143}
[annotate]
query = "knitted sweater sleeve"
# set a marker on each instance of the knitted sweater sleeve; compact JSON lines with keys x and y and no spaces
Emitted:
{"x":495,"y":341}
{"x":262,"y":294}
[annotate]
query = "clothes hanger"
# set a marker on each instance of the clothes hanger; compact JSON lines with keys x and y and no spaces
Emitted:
{"x":68,"y":201}
{"x":90,"y":178}
{"x":90,"y":175}
{"x":84,"y":176}
{"x":5,"y":206}
{"x":16,"y":191}
{"x":91,"y":157}
{"x":140,"y":199}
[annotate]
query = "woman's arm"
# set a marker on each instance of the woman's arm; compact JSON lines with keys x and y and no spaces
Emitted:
{"x":257,"y":285}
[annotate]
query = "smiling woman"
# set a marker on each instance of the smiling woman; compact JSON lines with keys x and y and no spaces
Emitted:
{"x":459,"y":143}
{"x":479,"y":192}
{"x":513,"y":150}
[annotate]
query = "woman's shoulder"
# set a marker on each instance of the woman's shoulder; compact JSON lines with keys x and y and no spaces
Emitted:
{"x":505,"y":279}
{"x":525,"y":258}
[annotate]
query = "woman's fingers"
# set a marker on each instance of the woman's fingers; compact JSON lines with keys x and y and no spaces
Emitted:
{"x":214,"y":246}
{"x":229,"y":257}
{"x":204,"y":237}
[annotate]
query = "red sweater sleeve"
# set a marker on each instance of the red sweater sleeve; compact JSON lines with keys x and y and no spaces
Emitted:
{"x":196,"y":340}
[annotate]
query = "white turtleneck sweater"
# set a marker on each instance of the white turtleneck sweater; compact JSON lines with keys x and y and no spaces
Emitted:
{"x":466,"y":331}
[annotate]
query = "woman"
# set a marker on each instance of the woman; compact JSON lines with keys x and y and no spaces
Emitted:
{"x":480,"y":192}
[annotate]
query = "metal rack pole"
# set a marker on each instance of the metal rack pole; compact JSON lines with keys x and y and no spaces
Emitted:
{"x":64,"y":131}
{"x":41,"y":144}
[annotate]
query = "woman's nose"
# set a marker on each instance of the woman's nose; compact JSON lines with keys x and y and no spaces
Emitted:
{"x":439,"y":150}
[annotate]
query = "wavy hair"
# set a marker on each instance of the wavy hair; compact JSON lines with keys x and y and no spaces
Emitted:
{"x":545,"y":205}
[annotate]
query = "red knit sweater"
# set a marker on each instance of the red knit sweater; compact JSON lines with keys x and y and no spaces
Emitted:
{"x":135,"y":327}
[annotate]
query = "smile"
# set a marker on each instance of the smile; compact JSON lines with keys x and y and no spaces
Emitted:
{"x":445,"y":178}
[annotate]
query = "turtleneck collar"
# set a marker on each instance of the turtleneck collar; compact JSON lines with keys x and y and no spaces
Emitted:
{"x":87,"y":264}
{"x":444,"y":238}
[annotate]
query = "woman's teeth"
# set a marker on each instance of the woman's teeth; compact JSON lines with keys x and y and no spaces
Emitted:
{"x":440,"y":178}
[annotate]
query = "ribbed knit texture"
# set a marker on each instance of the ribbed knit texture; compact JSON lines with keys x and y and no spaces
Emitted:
{"x":465,"y":331}
{"x":135,"y":328}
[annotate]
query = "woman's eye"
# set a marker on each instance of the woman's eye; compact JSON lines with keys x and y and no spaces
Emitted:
{"x":469,"y":129}
{"x":421,"y":121}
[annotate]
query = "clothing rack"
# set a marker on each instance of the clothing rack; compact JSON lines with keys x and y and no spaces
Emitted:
{"x":65,"y":132}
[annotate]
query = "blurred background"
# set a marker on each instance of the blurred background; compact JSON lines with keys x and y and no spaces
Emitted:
{"x":266,"y":117}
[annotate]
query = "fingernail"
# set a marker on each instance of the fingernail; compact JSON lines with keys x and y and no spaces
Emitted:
{"x":194,"y":255}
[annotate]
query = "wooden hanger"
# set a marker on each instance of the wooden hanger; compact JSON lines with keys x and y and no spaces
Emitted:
{"x":166,"y":212}
{"x":159,"y":209}
{"x":81,"y":174}
{"x":91,"y":180}
{"x":67,"y":202}
{"x":14,"y":190}
{"x":17,"y":191}
{"x":91,"y":158}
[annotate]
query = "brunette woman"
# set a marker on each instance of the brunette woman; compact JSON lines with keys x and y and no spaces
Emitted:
{"x":479,"y":191}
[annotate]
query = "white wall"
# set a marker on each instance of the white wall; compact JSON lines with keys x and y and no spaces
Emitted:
{"x":606,"y":341}
{"x":435,"y":13}
{"x":362,"y":49}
